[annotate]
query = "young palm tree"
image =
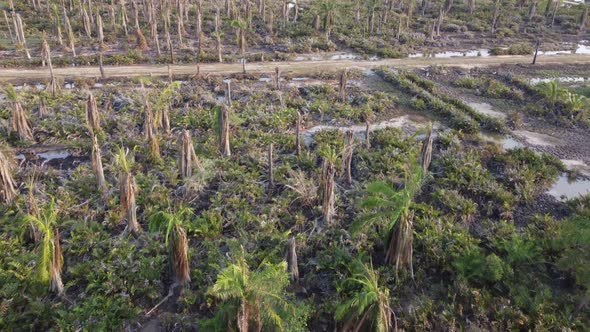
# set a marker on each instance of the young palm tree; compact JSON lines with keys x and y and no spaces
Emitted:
{"x":253,"y":297}
{"x":552,"y":92}
{"x":176,"y":241}
{"x":368,"y":309}
{"x":241,"y":27}
{"x":394,"y":208}
{"x":50,"y":257}
{"x":127,"y":191}
{"x":19,"y":123}
{"x":7,"y":185}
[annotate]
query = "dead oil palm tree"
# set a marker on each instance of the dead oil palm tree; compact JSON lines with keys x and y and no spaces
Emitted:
{"x":427,"y":150}
{"x":53,"y":86}
{"x":327,"y":184}
{"x":92,"y":116}
{"x":50,"y":260}
{"x":292,"y":265}
{"x":176,"y":241}
{"x":19,"y":120}
{"x":127,"y":191}
{"x":97,"y":166}
{"x":7,"y":184}
{"x":188,"y":158}
{"x":347,"y":153}
{"x":223,"y":130}
{"x":368,"y":309}
{"x":342,"y":86}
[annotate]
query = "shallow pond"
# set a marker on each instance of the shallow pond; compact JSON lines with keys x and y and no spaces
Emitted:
{"x":483,"y":52}
{"x":566,"y":189}
{"x":506,"y":142}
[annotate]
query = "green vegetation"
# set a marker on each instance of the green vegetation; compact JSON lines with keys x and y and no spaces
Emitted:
{"x":434,"y":228}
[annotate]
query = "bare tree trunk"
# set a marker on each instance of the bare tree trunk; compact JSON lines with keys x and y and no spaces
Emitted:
{"x":71,"y":37}
{"x":97,"y":167}
{"x":12,"y":37}
{"x":346,"y":168}
{"x":218,"y":34}
{"x":56,"y":285}
{"x":53,"y":86}
{"x":224,"y":131}
{"x":21,"y":33}
{"x":42,"y":108}
{"x":200,"y":26}
{"x":228,"y":92}
{"x":128,"y":189}
{"x":92,"y":117}
{"x":327,"y":181}
{"x":101,"y":45}
{"x":292,"y":265}
{"x":188,"y":157}
{"x":298,"y":135}
{"x":583,"y":19}
{"x":277,"y":78}
{"x":271,"y":169}
{"x":367,"y":134}
{"x":101,"y":67}
{"x":427,"y":150}
{"x":342,"y":86}
{"x":87,"y":25}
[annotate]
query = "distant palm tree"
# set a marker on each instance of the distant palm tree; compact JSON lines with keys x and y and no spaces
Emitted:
{"x":327,"y":9}
{"x":241,"y":26}
{"x":368,"y":308}
{"x":254,"y":296}
{"x":50,"y":256}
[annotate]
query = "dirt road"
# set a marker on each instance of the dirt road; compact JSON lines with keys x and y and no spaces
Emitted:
{"x":294,"y":67}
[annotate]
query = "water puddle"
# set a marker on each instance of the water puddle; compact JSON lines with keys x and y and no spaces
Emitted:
{"x":220,"y":99}
{"x":346,"y":56}
{"x":264,"y":79}
{"x":46,"y":156}
{"x":563,"y":79}
{"x":300,"y":78}
{"x":506,"y":142}
{"x":565,"y":189}
{"x":577,"y":165}
{"x":411,"y":122}
{"x":98,"y":85}
{"x":487,"y":109}
{"x":70,"y":86}
{"x":583,"y":49}
{"x":482,"y":52}
{"x":537,"y":138}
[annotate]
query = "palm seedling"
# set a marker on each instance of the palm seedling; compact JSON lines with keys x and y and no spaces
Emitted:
{"x":188,"y":158}
{"x":368,"y":309}
{"x":552,"y":92}
{"x":176,"y":242}
{"x":394,"y":208}
{"x":53,"y":86}
{"x":19,"y":123}
{"x":7,"y":185}
{"x":162,"y":107}
{"x":327,"y":185}
{"x":127,"y":191}
{"x":256,"y":297}
{"x":50,"y":256}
